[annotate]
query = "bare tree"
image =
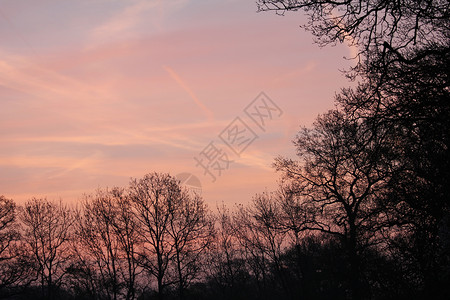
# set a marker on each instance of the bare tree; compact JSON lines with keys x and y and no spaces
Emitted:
{"x":16,"y":269}
{"x":258,"y":229}
{"x":385,"y":32}
{"x":47,"y":231}
{"x":191,"y":229}
{"x":226,"y":269}
{"x":7,"y":219}
{"x":107,"y":234}
{"x":403,"y":50}
{"x":8,"y":236}
{"x":127,"y":231}
{"x":295,"y":220}
{"x":343,"y":174}
{"x":156,"y":197}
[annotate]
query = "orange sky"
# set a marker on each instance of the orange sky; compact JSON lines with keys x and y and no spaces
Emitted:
{"x":95,"y":92}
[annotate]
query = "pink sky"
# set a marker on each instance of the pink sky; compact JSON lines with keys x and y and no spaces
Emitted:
{"x":93,"y":93}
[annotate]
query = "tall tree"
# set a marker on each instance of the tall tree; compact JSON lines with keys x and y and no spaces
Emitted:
{"x":108,"y":242}
{"x":342,"y":174}
{"x":383,"y":32}
{"x":414,"y":101}
{"x":257,"y":228}
{"x":16,"y":268}
{"x":191,"y":229}
{"x":156,"y":197}
{"x":127,"y":231}
{"x":227,"y":271}
{"x":48,"y":233}
{"x":403,"y":62}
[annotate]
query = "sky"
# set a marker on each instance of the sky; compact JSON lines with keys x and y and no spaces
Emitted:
{"x":95,"y":92}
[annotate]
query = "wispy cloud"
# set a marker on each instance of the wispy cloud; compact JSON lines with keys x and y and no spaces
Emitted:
{"x":136,"y":86}
{"x":22,"y":74}
{"x":126,"y":20}
{"x":209,"y":114}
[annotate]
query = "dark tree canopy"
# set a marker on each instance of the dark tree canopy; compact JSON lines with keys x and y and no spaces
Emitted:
{"x":16,"y":269}
{"x":398,"y":26}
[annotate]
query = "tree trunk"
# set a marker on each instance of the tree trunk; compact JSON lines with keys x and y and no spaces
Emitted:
{"x":180,"y":276}
{"x":355,"y":268}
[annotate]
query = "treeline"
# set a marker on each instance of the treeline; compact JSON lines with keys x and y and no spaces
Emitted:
{"x":374,"y":172}
{"x":158,"y":240}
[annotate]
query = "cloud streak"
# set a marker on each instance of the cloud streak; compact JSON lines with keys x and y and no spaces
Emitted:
{"x":209,"y":114}
{"x":127,"y":94}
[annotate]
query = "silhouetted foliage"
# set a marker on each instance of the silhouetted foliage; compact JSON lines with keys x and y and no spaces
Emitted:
{"x":342,"y":175}
{"x":384,"y":33}
{"x":403,"y":62}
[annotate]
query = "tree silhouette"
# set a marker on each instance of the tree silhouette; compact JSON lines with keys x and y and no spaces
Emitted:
{"x":384,"y":32}
{"x":226,"y":270}
{"x":16,"y":267}
{"x":413,"y":103}
{"x":342,"y":175}
{"x":257,"y":227}
{"x":108,"y":239}
{"x":155,"y":199}
{"x":191,"y":229}
{"x":47,"y":232}
{"x":403,"y":62}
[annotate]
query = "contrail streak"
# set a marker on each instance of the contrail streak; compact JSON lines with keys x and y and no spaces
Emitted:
{"x":174,"y":75}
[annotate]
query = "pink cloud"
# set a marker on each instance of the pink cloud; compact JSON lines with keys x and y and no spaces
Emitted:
{"x":125,"y":99}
